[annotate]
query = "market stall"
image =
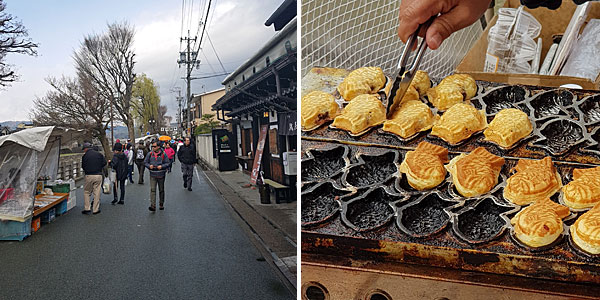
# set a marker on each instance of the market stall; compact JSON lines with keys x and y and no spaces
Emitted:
{"x":29,"y":162}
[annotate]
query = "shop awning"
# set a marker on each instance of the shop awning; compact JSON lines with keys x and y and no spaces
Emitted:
{"x":272,"y":88}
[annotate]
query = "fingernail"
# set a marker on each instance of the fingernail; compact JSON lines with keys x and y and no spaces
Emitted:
{"x":436,"y":41}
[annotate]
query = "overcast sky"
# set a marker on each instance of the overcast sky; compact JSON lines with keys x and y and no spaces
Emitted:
{"x":235,"y":27}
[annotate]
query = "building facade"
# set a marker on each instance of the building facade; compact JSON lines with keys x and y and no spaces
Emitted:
{"x":260,"y":102}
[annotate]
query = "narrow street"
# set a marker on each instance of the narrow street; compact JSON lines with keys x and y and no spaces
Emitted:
{"x":194,"y":249}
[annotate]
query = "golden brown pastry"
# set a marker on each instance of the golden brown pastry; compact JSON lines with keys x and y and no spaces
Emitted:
{"x":534,"y":180}
{"x":508,"y":127}
{"x":539,"y":224}
{"x":584,"y":190}
{"x":317,"y":108}
{"x":366,"y":80}
{"x":586,"y":231}
{"x":459,"y":123}
{"x":451,"y":90}
{"x":424,"y":167}
{"x":361,"y":113}
{"x":475,"y":173}
{"x":412,"y":116}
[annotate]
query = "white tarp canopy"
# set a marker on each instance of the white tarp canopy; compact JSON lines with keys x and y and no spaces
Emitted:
{"x":33,"y":138}
{"x":24,"y":157}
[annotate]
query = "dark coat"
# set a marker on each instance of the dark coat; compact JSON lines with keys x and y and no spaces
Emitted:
{"x":119,"y":164}
{"x":187,"y":154}
{"x":92,"y":162}
{"x":157,"y":159}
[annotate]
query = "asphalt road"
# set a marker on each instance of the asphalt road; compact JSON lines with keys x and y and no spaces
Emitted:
{"x":194,"y":249}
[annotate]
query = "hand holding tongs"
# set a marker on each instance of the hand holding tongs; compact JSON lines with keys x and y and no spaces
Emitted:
{"x":406,"y":74}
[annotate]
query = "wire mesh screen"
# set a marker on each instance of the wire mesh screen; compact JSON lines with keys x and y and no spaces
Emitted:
{"x":353,"y":34}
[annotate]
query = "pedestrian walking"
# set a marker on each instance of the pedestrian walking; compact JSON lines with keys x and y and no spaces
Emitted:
{"x":92,"y":163}
{"x":129,"y":154}
{"x":119,"y":165}
{"x":171,"y":154}
{"x":187,"y":157}
{"x":158,"y":163}
{"x":140,"y":155}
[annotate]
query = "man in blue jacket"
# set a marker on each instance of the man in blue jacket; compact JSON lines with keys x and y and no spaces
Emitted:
{"x":158,"y":163}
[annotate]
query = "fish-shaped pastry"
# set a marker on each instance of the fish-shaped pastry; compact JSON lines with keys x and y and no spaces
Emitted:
{"x":459,"y":122}
{"x":475,"y":173}
{"x":533,"y":180}
{"x":412,"y":116}
{"x":360,"y":114}
{"x":539,"y":224}
{"x":584,"y":190}
{"x":508,"y":127}
{"x":366,"y":80}
{"x":317,"y":108}
{"x":585,"y":232}
{"x":424,"y":167}
{"x":451,"y":90}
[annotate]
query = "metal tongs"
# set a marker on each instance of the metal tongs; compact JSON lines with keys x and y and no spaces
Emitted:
{"x":406,"y":74}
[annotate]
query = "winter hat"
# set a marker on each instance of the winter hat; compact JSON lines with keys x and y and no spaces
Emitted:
{"x":118,"y":147}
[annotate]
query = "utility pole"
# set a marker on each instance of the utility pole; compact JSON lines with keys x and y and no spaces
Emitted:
{"x":179,"y":119}
{"x":189,"y":59}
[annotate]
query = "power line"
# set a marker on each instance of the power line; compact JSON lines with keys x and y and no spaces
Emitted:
{"x":203,"y":28}
{"x":207,"y":62}
{"x":211,"y":16}
{"x":200,"y":14}
{"x":182,"y":15}
{"x":190,"y":9}
{"x":217,"y":55}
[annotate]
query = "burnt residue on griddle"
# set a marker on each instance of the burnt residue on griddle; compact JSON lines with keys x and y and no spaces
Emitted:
{"x":374,"y":170}
{"x":559,"y":135}
{"x":482,"y":221}
{"x":324,"y":164}
{"x":371,"y":210}
{"x":478,"y":259}
{"x":503,"y":97}
{"x":320,"y":203}
{"x":551,"y":103}
{"x":425,"y":216}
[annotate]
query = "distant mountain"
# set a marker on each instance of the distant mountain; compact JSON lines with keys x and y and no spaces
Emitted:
{"x":120,"y":132}
{"x":12,"y":124}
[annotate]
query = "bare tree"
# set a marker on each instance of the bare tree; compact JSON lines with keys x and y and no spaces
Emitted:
{"x":108,"y":61}
{"x":162,"y":112}
{"x":74,"y":103}
{"x":13,"y":39}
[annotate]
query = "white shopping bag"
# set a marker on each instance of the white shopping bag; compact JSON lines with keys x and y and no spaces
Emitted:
{"x":106,"y":186}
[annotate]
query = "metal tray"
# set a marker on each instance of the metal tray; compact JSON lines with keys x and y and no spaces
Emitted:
{"x":440,"y":227}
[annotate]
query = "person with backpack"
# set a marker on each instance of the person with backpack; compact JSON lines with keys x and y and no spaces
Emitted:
{"x":158,"y":163}
{"x":140,"y":154}
{"x":129,"y":154}
{"x":187,"y":157}
{"x":119,"y":165}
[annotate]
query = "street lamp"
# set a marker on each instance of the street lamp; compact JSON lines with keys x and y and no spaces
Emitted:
{"x":152,"y":124}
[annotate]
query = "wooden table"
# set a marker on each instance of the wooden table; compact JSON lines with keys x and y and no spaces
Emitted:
{"x":51,"y":200}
